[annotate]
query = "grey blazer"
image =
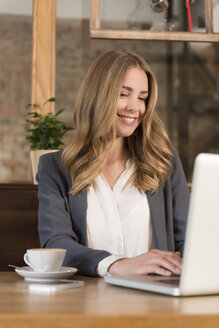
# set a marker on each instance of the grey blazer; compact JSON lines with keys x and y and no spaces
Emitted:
{"x":62,"y":217}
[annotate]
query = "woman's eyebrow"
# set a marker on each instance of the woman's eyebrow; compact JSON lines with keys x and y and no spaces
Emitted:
{"x":130,"y":89}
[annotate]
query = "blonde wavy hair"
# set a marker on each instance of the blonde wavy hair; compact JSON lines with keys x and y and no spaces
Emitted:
{"x":94,"y":122}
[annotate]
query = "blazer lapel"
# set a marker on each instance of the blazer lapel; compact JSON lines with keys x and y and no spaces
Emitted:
{"x":157,"y":210}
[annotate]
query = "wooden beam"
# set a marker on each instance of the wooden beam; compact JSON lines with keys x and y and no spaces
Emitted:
{"x":94,"y":14}
{"x":209,"y":15}
{"x":43,"y":57}
{"x":154,"y":35}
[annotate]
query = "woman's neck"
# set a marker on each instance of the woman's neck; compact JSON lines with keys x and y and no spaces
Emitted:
{"x":118,"y":151}
{"x":115,"y":162}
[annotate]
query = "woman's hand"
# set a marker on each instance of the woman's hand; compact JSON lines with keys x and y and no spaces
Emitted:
{"x":155,"y":261}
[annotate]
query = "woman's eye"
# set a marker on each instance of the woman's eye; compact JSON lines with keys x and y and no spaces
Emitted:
{"x":143,"y":99}
{"x":123,"y":95}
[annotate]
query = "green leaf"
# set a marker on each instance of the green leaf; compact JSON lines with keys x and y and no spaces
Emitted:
{"x":27,"y":107}
{"x":52,"y":99}
{"x":59,"y":112}
{"x":49,"y":100}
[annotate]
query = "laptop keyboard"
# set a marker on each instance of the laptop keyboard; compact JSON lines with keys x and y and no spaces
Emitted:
{"x":173,"y":282}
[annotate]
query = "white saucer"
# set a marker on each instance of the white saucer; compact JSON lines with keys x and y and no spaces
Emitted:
{"x":30,"y":275}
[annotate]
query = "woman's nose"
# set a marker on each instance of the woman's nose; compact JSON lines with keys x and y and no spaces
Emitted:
{"x":133,"y":105}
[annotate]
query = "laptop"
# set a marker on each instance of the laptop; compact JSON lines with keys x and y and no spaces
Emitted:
{"x":200,"y":271}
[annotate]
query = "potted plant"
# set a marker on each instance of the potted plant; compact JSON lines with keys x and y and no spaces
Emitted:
{"x":44,"y":132}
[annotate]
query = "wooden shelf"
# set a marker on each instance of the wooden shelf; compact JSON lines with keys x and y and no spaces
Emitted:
{"x":97,"y":32}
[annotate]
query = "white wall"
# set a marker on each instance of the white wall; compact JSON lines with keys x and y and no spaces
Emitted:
{"x":16,"y":7}
{"x":65,"y":8}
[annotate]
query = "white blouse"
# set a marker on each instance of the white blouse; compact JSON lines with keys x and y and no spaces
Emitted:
{"x":118,"y":219}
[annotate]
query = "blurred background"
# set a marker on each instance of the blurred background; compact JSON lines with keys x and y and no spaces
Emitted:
{"x":187,"y":72}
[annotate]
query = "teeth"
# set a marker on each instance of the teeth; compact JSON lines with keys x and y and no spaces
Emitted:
{"x":128,"y":119}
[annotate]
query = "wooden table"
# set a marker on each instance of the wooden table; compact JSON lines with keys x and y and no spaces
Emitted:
{"x":99,"y":305}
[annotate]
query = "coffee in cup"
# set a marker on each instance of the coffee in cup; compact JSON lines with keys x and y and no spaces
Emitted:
{"x":45,"y":259}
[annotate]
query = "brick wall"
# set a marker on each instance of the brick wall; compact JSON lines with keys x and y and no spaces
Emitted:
{"x":15,"y":90}
{"x":75,"y":53}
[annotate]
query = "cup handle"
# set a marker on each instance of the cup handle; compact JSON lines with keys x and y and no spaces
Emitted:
{"x":26,"y":260}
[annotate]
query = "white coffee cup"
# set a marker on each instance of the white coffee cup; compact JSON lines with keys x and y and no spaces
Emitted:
{"x":45,"y":259}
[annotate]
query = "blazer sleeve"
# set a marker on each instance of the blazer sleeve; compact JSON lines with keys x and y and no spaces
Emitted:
{"x":180,"y":202}
{"x":55,"y":220}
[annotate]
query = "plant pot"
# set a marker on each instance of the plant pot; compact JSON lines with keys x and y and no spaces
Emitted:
{"x":34,"y":157}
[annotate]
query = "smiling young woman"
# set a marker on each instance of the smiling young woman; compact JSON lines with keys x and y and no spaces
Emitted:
{"x":95,"y":125}
{"x":116,"y":198}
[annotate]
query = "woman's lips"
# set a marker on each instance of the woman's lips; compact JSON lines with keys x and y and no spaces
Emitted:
{"x":127,"y":119}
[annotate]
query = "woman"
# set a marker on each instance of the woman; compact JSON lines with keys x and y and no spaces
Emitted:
{"x":116,"y":198}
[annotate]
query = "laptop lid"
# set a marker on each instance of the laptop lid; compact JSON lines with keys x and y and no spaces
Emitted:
{"x":200,"y":273}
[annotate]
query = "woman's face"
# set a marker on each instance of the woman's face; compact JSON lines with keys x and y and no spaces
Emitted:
{"x":131,"y":104}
